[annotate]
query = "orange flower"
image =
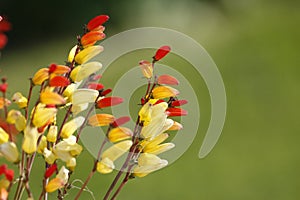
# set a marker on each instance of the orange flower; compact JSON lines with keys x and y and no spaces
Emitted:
{"x":91,"y":38}
{"x":101,"y":120}
{"x":96,"y":22}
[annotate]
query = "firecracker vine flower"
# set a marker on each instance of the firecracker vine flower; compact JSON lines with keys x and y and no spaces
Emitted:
{"x":67,"y":90}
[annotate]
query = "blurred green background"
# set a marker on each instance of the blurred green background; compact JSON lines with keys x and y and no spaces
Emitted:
{"x":255,"y":45}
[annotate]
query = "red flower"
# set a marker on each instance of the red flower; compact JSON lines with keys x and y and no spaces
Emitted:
{"x":59,"y":81}
{"x":109,"y":101}
{"x":120,"y":121}
{"x":96,"y":86}
{"x":161,"y":52}
{"x":50,"y":170}
{"x":167,"y":79}
{"x":172,"y":112}
{"x":179,"y":103}
{"x":96,"y":22}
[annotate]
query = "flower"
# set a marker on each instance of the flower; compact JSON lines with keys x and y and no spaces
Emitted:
{"x":70,"y":127}
{"x":96,"y":22}
{"x":20,"y":100}
{"x":105,"y":165}
{"x":161,"y":52}
{"x":147,"y":68}
{"x":40,"y":76}
{"x":101,"y":120}
{"x":109,"y":101}
{"x":119,"y":134}
{"x":167,"y":79}
{"x":59,"y":181}
{"x":91,"y":38}
{"x":30,"y":139}
{"x":162,"y":92}
{"x":83,"y":71}
{"x":52,"y":98}
{"x":9,"y":151}
{"x":88,"y":53}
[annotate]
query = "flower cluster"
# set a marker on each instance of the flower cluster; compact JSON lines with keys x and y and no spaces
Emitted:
{"x":52,"y":123}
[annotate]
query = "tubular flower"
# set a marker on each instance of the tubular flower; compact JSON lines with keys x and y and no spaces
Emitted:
{"x":40,"y":76}
{"x":101,"y":120}
{"x":15,"y":117}
{"x":81,"y":96}
{"x":85,"y":70}
{"x":9,"y":151}
{"x":162,"y":92}
{"x":161,"y":52}
{"x":91,"y":38}
{"x":59,"y":181}
{"x":119,"y":134}
{"x":88,"y":53}
{"x":176,"y":112}
{"x":147,"y":68}
{"x":59,"y":81}
{"x":159,"y":122}
{"x":43,"y":116}
{"x":52,"y":134}
{"x":48,"y":97}
{"x":20,"y":100}
{"x":30,"y":139}
{"x":109,"y":101}
{"x":59,"y":69}
{"x":96,"y":22}
{"x":70,"y":127}
{"x":167,"y":79}
{"x":105,"y":165}
{"x":148,"y":163}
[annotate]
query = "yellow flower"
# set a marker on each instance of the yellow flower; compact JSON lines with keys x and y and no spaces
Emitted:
{"x":119,"y":134}
{"x":70,"y":127}
{"x":43,"y":116}
{"x":40,"y":76}
{"x":106,"y":165}
{"x":88,"y":53}
{"x":30,"y":139}
{"x":85,"y":70}
{"x":59,"y":181}
{"x":146,"y":112}
{"x":49,"y":156}
{"x":52,"y":98}
{"x":154,"y":142}
{"x":52,"y":134}
{"x":81,"y":96}
{"x":20,"y":100}
{"x":101,"y":120}
{"x":148,"y":163}
{"x":77,"y":108}
{"x":162,"y":92}
{"x":16,"y":117}
{"x":3,"y":136}
{"x":10,"y":151}
{"x":176,"y":126}
{"x":42,"y":144}
{"x":159,"y":148}
{"x":159,"y":122}
{"x":72,"y":54}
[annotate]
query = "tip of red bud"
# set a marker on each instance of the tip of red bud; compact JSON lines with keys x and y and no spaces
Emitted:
{"x":106,"y":92}
{"x":173,"y":112}
{"x":161,"y":52}
{"x":97,"y":21}
{"x":120,"y":121}
{"x":50,"y":170}
{"x":179,"y":103}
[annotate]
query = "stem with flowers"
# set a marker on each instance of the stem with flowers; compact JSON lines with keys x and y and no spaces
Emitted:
{"x":70,"y":89}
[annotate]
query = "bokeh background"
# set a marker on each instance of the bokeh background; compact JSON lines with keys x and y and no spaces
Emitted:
{"x":255,"y":45}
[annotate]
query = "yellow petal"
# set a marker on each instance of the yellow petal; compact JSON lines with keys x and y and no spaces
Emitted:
{"x":162,"y":92}
{"x":48,"y":97}
{"x":72,"y":54}
{"x":74,"y":73}
{"x":77,"y":108}
{"x":105,"y":166}
{"x":176,"y":126}
{"x":42,"y":144}
{"x":30,"y":139}
{"x":145,"y":113}
{"x":86,"y":70}
{"x":70,"y":127}
{"x":20,"y":100}
{"x":156,"y":141}
{"x":16,"y":117}
{"x":101,"y":120}
{"x":117,"y":150}
{"x":159,"y":148}
{"x":10,"y":151}
{"x":49,"y":156}
{"x":42,"y":116}
{"x":54,"y":184}
{"x":52,"y":134}
{"x":88,"y":53}
{"x":119,"y":134}
{"x":40,"y":76}
{"x":63,"y":174}
{"x":3,"y":136}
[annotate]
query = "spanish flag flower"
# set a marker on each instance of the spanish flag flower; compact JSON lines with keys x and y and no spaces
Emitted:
{"x":70,"y":127}
{"x":59,"y":181}
{"x":20,"y":100}
{"x":9,"y":151}
{"x":88,"y":53}
{"x":30,"y":139}
{"x":83,"y":71}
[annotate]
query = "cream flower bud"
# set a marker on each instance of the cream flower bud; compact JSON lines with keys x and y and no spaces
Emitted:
{"x":42,"y":144}
{"x":117,"y":150}
{"x":88,"y":53}
{"x":81,"y":96}
{"x":85,"y":70}
{"x":72,"y":54}
{"x":10,"y":151}
{"x":20,"y":100}
{"x":30,"y":139}
{"x":52,"y":134}
{"x":70,"y":127}
{"x":16,"y":117}
{"x":49,"y":156}
{"x":3,"y":136}
{"x":105,"y":166}
{"x":119,"y":134}
{"x":159,"y":148}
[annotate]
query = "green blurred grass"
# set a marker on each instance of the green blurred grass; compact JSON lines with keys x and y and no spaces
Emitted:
{"x":256,"y":47}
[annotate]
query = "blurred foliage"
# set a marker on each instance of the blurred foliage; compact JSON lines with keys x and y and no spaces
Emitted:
{"x":255,"y":45}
